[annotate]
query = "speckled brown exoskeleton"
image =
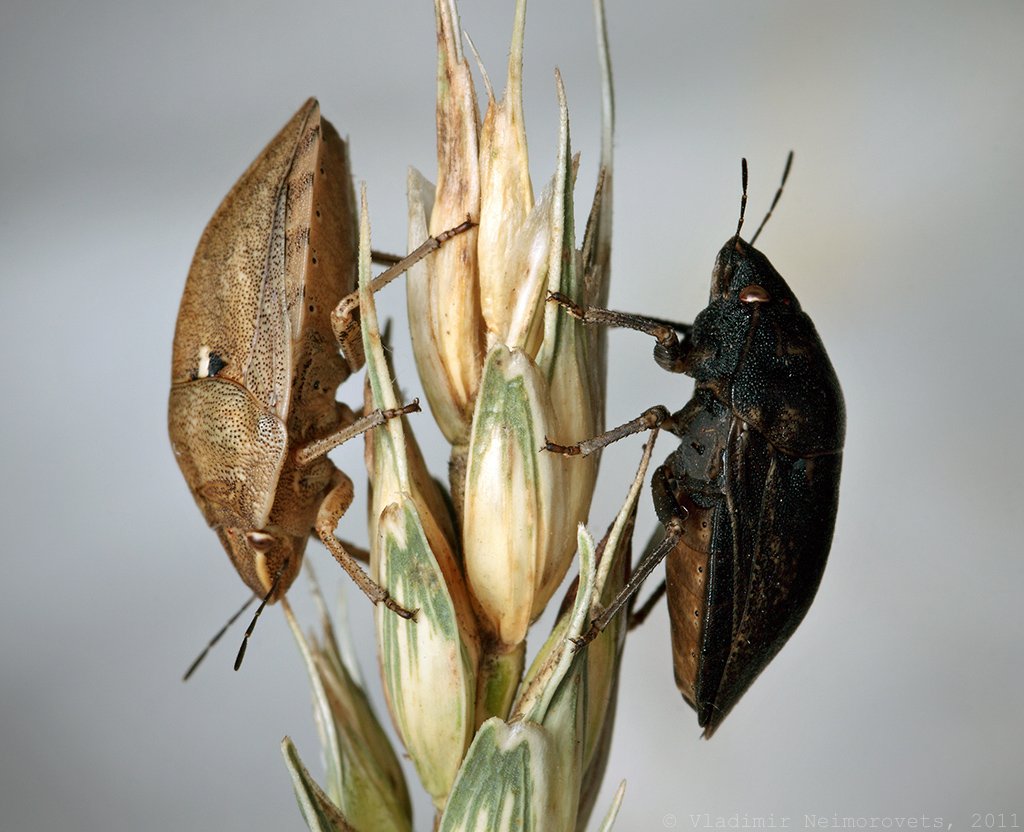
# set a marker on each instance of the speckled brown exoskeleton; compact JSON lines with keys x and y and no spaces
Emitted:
{"x":748,"y":500}
{"x":267,"y":331}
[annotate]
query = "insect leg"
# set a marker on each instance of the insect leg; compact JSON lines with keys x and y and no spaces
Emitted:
{"x":335,"y":504}
{"x":345,"y":323}
{"x":651,"y":419}
{"x":382,"y":258}
{"x":358,"y":552}
{"x":669,"y":352}
{"x":639,"y":616}
{"x":672,"y":515}
{"x":319,"y":447}
{"x":651,"y":558}
{"x":345,"y":317}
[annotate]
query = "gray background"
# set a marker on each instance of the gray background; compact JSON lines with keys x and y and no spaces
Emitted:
{"x":122,"y":126}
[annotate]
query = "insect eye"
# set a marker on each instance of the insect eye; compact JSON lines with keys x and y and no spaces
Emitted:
{"x":260,"y":541}
{"x":754,"y":294}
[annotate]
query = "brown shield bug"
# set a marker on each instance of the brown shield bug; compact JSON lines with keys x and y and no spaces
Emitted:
{"x":256,"y":360}
{"x":748,"y":499}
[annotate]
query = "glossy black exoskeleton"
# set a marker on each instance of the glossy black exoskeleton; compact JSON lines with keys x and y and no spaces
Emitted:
{"x":748,"y":499}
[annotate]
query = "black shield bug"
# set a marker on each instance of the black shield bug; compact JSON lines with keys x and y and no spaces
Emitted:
{"x":748,"y":499}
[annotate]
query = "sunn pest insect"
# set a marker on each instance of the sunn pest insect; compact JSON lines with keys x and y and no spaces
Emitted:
{"x":748,"y":500}
{"x":267,"y":331}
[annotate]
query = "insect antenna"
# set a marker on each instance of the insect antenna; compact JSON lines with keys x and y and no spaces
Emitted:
{"x":192,"y":667}
{"x":743,"y":199}
{"x":256,"y":617}
{"x":778,"y":193}
{"x":743,"y":211}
